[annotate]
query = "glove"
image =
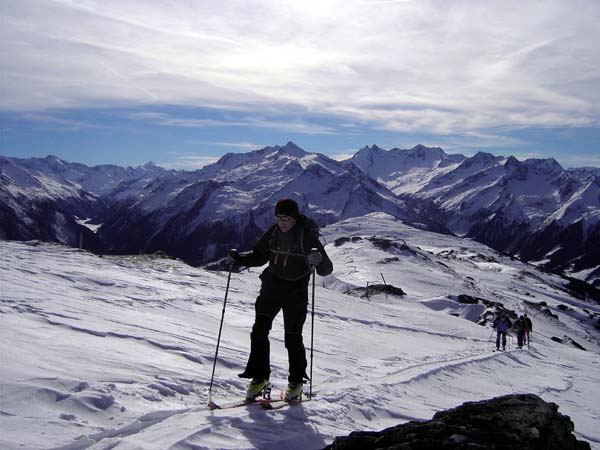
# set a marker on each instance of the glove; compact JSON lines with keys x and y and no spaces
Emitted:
{"x":232,"y":257}
{"x":314,"y":258}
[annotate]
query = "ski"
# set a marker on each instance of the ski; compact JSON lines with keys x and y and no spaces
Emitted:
{"x":269,"y":406}
{"x":305,"y":398}
{"x":261,"y":401}
{"x":265,"y":403}
{"x":263,"y":397}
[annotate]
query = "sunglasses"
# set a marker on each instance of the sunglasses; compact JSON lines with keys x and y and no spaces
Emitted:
{"x":283,"y":218}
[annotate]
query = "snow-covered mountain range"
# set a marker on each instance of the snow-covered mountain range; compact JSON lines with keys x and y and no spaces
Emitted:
{"x":116,"y":352}
{"x":48,"y":198}
{"x":532,"y":209}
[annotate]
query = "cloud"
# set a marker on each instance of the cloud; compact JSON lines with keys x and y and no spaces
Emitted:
{"x":343,"y":156}
{"x":193,"y":162}
{"x":186,"y":121}
{"x":56,"y":122}
{"x":569,"y":160}
{"x":441,"y":67}
{"x":244,"y":146}
{"x":189,"y":162}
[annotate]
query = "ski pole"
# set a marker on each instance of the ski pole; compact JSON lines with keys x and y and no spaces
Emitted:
{"x":312,"y":332}
{"x":489,"y":340}
{"x":210,"y":402}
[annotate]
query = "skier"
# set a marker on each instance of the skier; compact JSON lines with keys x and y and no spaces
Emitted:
{"x":501,"y":325}
{"x":520,"y":328}
{"x":528,"y":328}
{"x":291,"y":246}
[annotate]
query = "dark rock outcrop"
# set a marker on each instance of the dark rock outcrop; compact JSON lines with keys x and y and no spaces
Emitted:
{"x":520,"y":422}
{"x":374,"y":289}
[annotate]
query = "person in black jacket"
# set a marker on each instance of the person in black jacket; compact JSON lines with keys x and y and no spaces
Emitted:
{"x":528,"y":329}
{"x":520,"y":328}
{"x":290,"y":247}
{"x":502,"y":324}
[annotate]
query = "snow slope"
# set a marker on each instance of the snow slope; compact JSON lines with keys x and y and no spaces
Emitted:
{"x":116,"y":352}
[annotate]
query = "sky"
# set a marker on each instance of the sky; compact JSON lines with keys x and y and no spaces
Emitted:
{"x":181,"y":83}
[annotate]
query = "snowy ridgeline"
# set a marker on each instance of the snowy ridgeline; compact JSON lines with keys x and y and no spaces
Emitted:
{"x":116,"y":352}
{"x":534,"y":209}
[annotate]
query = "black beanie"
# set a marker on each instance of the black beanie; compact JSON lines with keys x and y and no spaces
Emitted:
{"x":287,"y":207}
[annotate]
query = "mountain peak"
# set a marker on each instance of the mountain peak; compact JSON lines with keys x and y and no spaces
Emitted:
{"x":292,"y":149}
{"x":149,"y":166}
{"x":481,"y":159}
{"x":367,"y":156}
{"x":373,"y":148}
{"x":421,"y":147}
{"x":54,"y":160}
{"x":421,"y":151}
{"x":545,"y":165}
{"x":483,"y":155}
{"x":512,"y":161}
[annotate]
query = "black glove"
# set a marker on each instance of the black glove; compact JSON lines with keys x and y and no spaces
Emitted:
{"x":233,"y":257}
{"x":314,"y":258}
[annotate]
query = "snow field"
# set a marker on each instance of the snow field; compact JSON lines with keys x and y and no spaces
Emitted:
{"x":117,"y":352}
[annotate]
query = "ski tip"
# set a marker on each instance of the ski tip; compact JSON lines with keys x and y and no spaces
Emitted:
{"x":212,"y":405}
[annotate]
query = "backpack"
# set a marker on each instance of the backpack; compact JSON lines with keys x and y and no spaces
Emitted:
{"x":312,"y":226}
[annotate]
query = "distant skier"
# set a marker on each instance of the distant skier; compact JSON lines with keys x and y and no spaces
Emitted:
{"x":520,"y":327}
{"x":528,"y":328}
{"x":288,"y":248}
{"x":502,"y":324}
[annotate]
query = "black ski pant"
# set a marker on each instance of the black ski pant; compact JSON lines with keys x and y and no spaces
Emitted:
{"x":501,"y":334}
{"x":277,"y":295}
{"x":521,"y":338}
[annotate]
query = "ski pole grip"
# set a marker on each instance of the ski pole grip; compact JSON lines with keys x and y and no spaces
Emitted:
{"x":233,"y":256}
{"x":313,"y":250}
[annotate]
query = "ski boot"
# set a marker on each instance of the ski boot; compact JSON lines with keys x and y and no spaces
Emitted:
{"x":258,"y":387}
{"x":293,"y":392}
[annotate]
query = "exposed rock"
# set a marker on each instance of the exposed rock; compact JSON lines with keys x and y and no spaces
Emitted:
{"x":388,"y":245}
{"x":344,"y":239}
{"x":568,"y":340}
{"x":583,"y":290}
{"x":577,"y":344}
{"x":468,"y":299}
{"x":523,"y":422}
{"x":341,"y":241}
{"x":374,"y":289}
{"x":388,"y":260}
{"x":543,"y":308}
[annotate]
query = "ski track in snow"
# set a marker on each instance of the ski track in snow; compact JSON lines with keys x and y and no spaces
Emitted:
{"x":116,"y":353}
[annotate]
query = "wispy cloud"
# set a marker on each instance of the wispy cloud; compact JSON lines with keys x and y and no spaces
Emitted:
{"x":243,"y":146}
{"x":189,"y":162}
{"x":343,"y":156}
{"x":129,"y":80}
{"x":57,"y":122}
{"x":166,"y":119}
{"x":441,"y":67}
{"x":570,"y":159}
{"x":193,"y":162}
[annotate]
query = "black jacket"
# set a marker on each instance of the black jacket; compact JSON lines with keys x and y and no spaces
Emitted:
{"x":287,"y":253}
